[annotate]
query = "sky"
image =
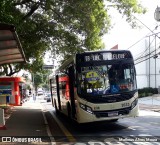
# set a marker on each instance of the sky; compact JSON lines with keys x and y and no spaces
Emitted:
{"x":122,"y":33}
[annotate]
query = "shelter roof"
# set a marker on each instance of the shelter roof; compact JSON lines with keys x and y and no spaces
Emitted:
{"x":14,"y":79}
{"x":10,"y":47}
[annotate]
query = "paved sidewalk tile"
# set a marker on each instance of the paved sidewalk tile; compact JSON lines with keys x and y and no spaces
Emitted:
{"x":150,"y":103}
{"x":26,"y":121}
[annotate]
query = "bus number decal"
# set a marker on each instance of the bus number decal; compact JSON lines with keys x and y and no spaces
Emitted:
{"x":125,"y":105}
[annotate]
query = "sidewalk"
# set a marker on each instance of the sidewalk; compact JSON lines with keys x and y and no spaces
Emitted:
{"x":151,"y":103}
{"x":27,"y":124}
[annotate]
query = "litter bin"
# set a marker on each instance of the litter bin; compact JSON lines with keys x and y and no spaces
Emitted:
{"x":7,"y":99}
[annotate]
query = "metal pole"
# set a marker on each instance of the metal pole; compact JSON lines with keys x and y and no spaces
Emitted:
{"x":149,"y":62}
{"x":33,"y":79}
{"x":155,"y":64}
{"x":33,"y":84}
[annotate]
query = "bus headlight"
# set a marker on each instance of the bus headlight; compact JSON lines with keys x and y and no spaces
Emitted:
{"x":86,"y":108}
{"x":89,"y":109}
{"x":134,"y":103}
{"x":82,"y":106}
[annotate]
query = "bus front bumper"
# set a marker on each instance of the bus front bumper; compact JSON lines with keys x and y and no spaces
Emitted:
{"x":95,"y":116}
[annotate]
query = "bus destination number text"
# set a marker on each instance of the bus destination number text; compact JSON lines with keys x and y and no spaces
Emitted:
{"x":104,"y":56}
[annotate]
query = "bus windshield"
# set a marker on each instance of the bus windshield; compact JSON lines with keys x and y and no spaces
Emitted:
{"x":106,"y":79}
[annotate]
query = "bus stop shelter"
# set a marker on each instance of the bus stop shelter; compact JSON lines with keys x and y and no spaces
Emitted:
{"x":10,"y":47}
{"x":10,"y":52}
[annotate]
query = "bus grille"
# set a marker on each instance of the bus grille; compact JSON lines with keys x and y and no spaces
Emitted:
{"x":110,"y":98}
{"x":123,"y":111}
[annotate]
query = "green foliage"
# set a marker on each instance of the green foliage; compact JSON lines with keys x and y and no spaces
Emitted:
{"x":64,"y":27}
{"x":144,"y":92}
{"x":127,"y":8}
{"x":41,"y":79}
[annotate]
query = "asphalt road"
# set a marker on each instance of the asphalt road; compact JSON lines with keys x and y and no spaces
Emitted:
{"x":144,"y":129}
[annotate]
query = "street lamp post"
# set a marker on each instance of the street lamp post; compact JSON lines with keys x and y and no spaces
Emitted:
{"x":157,"y":18}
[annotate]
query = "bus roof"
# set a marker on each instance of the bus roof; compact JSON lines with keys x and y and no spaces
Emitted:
{"x":65,"y":64}
{"x":95,"y":51}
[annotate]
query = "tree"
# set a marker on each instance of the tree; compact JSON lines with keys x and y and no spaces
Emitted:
{"x":64,"y":27}
{"x":41,"y":79}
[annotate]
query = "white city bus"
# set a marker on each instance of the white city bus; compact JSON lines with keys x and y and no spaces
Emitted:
{"x":97,"y":86}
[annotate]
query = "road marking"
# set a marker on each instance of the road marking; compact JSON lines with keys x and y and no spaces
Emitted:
{"x":47,"y":127}
{"x":131,"y":128}
{"x":63,"y":128}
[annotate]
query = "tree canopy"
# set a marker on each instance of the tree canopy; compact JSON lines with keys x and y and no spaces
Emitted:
{"x":41,"y":79}
{"x":63,"y":27}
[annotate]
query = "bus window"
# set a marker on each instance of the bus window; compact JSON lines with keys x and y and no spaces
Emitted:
{"x":63,"y":86}
{"x":105,"y":79}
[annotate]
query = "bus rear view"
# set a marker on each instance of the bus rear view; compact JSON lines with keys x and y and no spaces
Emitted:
{"x":97,"y":86}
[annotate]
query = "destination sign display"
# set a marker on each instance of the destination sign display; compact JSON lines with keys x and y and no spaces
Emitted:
{"x":101,"y":56}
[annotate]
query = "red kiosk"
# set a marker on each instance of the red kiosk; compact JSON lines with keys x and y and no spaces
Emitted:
{"x":12,"y":84}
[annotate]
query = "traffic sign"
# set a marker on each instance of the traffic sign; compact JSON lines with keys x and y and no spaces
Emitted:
{"x":48,"y":66}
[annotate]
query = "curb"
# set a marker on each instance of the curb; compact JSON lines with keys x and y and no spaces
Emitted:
{"x":3,"y":127}
{"x":155,"y":108}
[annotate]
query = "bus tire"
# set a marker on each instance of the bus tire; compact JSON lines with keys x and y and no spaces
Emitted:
{"x":114,"y":120}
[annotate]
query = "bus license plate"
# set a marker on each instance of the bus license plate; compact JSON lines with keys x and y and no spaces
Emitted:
{"x":111,"y":114}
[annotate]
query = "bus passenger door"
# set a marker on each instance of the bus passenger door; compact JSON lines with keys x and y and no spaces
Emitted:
{"x":51,"y":91}
{"x":71,"y":90}
{"x":58,"y":93}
